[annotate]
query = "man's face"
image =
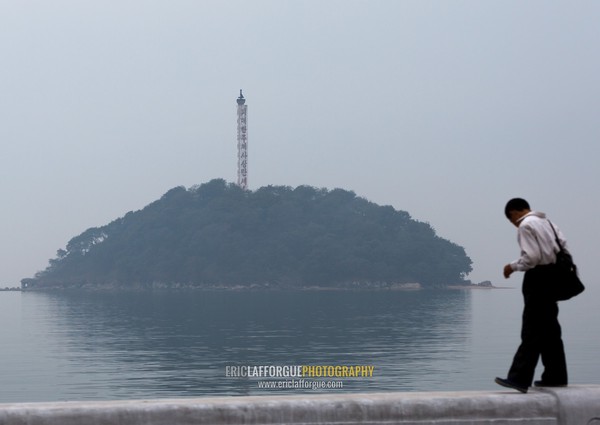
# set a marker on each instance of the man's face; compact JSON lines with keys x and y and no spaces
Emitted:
{"x":514,"y":216}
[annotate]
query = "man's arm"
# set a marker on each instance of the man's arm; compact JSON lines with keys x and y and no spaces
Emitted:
{"x":530,"y":250}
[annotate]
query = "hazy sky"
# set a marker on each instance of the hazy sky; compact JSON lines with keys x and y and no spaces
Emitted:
{"x":444,"y":109}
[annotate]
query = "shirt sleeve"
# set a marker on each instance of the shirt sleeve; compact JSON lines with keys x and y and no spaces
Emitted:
{"x":530,"y":250}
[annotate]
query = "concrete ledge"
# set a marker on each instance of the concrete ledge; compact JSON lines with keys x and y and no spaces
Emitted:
{"x":572,"y":405}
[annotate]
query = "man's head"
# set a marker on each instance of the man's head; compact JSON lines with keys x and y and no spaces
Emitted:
{"x":515,"y":209}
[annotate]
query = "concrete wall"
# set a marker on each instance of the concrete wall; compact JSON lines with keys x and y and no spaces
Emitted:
{"x":576,"y":405}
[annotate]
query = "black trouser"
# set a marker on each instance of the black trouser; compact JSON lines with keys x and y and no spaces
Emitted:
{"x":540,"y":333}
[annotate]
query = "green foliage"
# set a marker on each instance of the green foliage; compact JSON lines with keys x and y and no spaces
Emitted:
{"x":217,"y":234}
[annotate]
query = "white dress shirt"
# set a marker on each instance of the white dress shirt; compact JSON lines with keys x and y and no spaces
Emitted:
{"x":537,"y":242}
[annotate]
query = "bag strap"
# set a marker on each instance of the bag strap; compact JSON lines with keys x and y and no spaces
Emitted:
{"x":560,"y":248}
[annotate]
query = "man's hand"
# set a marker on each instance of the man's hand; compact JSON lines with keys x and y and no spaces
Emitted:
{"x":508,"y":271}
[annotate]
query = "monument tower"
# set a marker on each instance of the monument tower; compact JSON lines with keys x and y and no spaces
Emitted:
{"x":242,"y":141}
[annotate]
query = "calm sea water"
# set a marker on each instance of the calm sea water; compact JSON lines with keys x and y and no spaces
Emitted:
{"x":84,"y":346}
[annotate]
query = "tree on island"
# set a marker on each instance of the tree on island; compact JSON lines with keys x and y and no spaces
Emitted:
{"x":217,"y":234}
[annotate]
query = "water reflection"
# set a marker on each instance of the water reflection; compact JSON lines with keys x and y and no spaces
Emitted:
{"x":177,"y":344}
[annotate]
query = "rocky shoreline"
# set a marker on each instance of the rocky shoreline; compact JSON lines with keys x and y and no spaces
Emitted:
{"x":161,"y":286}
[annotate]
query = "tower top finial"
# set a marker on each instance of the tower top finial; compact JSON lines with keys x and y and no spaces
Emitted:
{"x":241,"y":100}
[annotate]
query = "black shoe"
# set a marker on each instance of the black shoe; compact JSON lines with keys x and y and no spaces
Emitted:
{"x":510,"y":384}
{"x":547,"y":384}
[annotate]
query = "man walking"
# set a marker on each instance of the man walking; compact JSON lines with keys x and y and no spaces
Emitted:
{"x":540,"y":332}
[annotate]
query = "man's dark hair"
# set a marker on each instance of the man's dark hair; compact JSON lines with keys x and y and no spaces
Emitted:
{"x":516,"y":204}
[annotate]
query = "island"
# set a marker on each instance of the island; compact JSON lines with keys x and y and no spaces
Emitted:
{"x":219,"y":236}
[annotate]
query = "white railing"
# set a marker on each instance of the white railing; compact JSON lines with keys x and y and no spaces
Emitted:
{"x":576,"y":405}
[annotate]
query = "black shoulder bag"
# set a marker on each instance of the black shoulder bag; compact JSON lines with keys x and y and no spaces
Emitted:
{"x":567,"y":283}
